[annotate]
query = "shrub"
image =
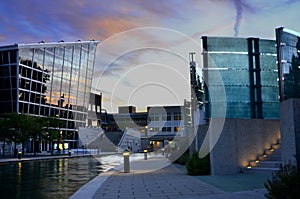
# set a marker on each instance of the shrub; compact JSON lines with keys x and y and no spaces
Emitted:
{"x":182,"y":159}
{"x":197,"y":166}
{"x":285,"y":183}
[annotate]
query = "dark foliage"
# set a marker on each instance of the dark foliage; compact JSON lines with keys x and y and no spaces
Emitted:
{"x":285,"y":183}
{"x":197,"y":166}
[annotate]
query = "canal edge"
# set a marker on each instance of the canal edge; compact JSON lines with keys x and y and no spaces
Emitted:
{"x":88,"y":190}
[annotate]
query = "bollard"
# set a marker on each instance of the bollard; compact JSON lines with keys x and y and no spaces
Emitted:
{"x":19,"y":155}
{"x":163,"y":151}
{"x":126,"y":161}
{"x":145,"y":154}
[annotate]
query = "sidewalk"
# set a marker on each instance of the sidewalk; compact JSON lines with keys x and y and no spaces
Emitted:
{"x":155,"y":178}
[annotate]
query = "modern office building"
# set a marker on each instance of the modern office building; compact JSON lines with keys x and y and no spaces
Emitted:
{"x":49,"y":79}
{"x":128,"y":117}
{"x":241,"y":100}
{"x":159,"y":124}
{"x":164,"y":124}
{"x":240,"y":77}
{"x":94,"y":110}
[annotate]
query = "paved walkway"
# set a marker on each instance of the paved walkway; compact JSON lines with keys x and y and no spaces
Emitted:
{"x":155,"y":178}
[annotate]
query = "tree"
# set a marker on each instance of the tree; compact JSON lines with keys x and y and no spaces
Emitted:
{"x":19,"y":128}
{"x":4,"y":133}
{"x":12,"y":125}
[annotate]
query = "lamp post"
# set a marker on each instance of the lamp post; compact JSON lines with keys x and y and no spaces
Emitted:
{"x":126,"y":155}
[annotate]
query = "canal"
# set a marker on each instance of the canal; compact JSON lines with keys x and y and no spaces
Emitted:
{"x":55,"y":178}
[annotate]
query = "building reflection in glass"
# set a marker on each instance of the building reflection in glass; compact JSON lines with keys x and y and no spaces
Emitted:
{"x":288,"y":59}
{"x":49,"y":79}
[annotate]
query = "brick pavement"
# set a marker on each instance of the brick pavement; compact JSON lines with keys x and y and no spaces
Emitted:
{"x":155,"y":178}
{"x":141,"y":182}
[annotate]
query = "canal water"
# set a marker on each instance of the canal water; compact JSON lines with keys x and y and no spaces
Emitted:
{"x":56,"y":178}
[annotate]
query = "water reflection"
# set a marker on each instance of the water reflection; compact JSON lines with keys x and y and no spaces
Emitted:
{"x":49,"y":178}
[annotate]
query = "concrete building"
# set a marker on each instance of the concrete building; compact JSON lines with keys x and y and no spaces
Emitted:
{"x":152,"y":129}
{"x":127,"y":117}
{"x":164,"y":124}
{"x":94,"y":110}
{"x":49,"y":79}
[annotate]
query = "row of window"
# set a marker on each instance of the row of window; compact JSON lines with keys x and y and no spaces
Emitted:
{"x":8,"y":57}
{"x":52,"y":111}
{"x":168,"y":117}
{"x":166,"y":129}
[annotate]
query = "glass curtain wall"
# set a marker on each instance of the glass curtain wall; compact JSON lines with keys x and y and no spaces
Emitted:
{"x":49,"y":79}
{"x":288,"y":49}
{"x":246,"y":70}
{"x":8,"y":79}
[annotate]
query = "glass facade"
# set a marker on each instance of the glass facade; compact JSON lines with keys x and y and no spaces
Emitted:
{"x":48,"y":79}
{"x":240,"y":77}
{"x":288,"y":49}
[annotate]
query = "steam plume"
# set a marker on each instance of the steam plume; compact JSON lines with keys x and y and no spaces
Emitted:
{"x":238,"y":18}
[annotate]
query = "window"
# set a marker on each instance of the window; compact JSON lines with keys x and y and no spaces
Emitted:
{"x":168,"y":116}
{"x":166,"y":129}
{"x":154,"y":117}
{"x":177,"y":116}
{"x":177,"y":129}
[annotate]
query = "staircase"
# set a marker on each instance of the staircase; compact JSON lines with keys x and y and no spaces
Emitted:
{"x":268,"y":162}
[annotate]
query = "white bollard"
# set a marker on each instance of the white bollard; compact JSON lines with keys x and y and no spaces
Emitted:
{"x":126,"y":155}
{"x":145,"y":154}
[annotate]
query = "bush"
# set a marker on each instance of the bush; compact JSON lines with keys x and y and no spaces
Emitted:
{"x":182,"y":159}
{"x":285,"y":183}
{"x":197,"y":166}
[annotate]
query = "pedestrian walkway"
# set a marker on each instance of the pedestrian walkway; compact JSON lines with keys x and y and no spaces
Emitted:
{"x":155,"y":178}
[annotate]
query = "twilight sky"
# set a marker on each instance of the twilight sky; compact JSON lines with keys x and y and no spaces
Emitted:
{"x":144,"y":51}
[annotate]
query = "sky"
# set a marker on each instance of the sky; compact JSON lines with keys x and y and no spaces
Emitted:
{"x":143,"y":55}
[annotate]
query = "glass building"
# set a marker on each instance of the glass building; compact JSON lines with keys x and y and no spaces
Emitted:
{"x":288,"y":49}
{"x":49,"y":79}
{"x":240,"y":77}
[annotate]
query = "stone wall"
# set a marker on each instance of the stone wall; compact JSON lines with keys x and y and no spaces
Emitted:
{"x":290,"y":129}
{"x":242,"y":140}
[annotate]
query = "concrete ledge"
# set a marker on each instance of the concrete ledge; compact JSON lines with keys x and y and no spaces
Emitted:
{"x":89,"y":189}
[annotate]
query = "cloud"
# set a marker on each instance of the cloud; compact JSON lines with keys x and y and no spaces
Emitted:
{"x":107,"y":20}
{"x":108,"y":26}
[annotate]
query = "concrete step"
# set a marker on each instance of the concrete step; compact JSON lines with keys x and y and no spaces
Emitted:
{"x":261,"y":170}
{"x":269,"y":164}
{"x":274,"y":157}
